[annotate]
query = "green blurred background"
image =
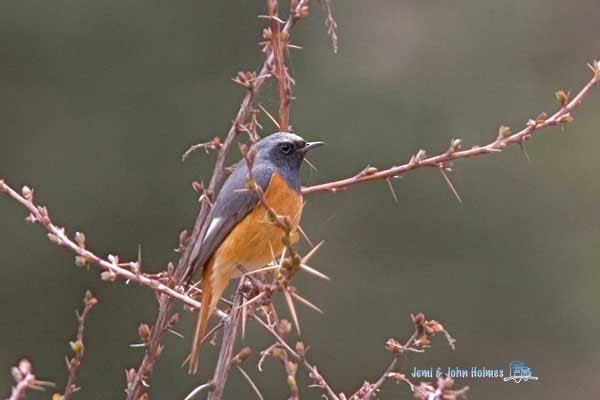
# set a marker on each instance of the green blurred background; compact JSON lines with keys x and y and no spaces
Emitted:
{"x":98,"y":100}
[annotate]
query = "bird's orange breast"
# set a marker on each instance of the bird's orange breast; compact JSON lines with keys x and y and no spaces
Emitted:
{"x":254,"y":240}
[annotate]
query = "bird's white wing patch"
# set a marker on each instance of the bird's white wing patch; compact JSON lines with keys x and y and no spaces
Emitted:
{"x":212,"y":227}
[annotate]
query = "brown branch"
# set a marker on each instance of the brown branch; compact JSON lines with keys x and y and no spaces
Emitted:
{"x":26,"y":380}
{"x":184,"y":266}
{"x":224,"y":361}
{"x":444,"y":161}
{"x":316,"y":377}
{"x":78,"y":348}
{"x":418,"y":342}
{"x":330,"y":24}
{"x":290,"y":367}
{"x":278,"y":44}
{"x":111,"y":268}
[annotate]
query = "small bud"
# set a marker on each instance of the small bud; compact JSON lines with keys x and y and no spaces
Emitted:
{"x":246,"y":79}
{"x":27,"y":193}
{"x":80,"y":239}
{"x":57,"y":396}
{"x":369,"y":170}
{"x":541,"y":118}
{"x":418,"y":319}
{"x":562,"y":97}
{"x":276,"y":352}
{"x":300,"y":348}
{"x":455,"y":145}
{"x":266,"y":34}
{"x":43,"y":211}
{"x":16,"y":374}
{"x":113,"y":259}
{"x":2,"y":186}
{"x":198,"y":187}
{"x":292,"y":367}
{"x":170,"y":268}
{"x":82,"y":262}
{"x":595,"y":67}
{"x":144,"y":332}
{"x":108,"y":276}
{"x":184,"y":237}
{"x":242,"y":356}
{"x":31,"y":219}
{"x":566,"y":119}
{"x":396,"y":377}
{"x":54,"y":238}
{"x":504,"y":132}
{"x":89,"y":299}
{"x":393,"y":346}
{"x":285,"y":327}
{"x":77,"y":347}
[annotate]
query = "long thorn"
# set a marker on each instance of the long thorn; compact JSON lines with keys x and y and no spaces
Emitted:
{"x":312,"y":252}
{"x":198,"y":390}
{"x":525,"y":153}
{"x":305,"y":236}
{"x":273,"y":120}
{"x":244,"y":317}
{"x":306,"y":302}
{"x":252,"y":300}
{"x":251,"y":382}
{"x":310,"y":164}
{"x":315,"y":272}
{"x":450,"y":185}
{"x":290,"y":303}
{"x":389,"y":183}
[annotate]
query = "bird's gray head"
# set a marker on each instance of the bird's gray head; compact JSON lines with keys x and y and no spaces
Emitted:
{"x":284,"y":150}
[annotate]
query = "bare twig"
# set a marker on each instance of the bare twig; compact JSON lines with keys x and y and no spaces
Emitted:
{"x":111,"y":267}
{"x":417,"y":342}
{"x":278,"y":42}
{"x":227,"y":344}
{"x":330,"y":24}
{"x":78,"y":348}
{"x":198,"y":390}
{"x":503,"y":140}
{"x":318,"y":380}
{"x":26,"y":380}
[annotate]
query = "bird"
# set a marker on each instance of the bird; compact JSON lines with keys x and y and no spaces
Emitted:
{"x":238,"y":233}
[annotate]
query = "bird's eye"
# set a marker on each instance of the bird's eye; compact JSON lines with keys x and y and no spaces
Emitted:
{"x":286,"y":148}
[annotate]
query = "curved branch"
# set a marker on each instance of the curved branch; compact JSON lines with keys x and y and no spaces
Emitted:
{"x":443,"y":161}
{"x":111,"y":268}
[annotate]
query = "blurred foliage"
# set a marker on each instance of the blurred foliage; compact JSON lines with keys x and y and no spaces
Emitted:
{"x":99,"y":99}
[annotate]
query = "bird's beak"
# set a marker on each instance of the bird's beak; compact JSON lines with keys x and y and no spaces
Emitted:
{"x":311,"y":145}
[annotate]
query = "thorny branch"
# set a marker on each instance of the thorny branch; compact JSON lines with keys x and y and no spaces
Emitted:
{"x":315,"y":376}
{"x":252,"y":82}
{"x":131,"y":271}
{"x":444,"y":161}
{"x":89,"y":301}
{"x":111,"y":268}
{"x":170,"y":284}
{"x":26,"y":380}
{"x":418,"y":342}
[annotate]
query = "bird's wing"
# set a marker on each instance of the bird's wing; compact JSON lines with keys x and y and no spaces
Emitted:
{"x":233,"y":203}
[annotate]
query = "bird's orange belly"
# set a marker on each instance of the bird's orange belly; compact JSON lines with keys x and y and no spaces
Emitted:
{"x":254,"y":241}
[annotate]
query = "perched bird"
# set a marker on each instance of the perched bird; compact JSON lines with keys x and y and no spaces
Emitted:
{"x":238,"y":232}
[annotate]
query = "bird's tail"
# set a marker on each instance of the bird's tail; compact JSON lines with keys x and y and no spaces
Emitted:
{"x":206,"y":311}
{"x":214,"y":283}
